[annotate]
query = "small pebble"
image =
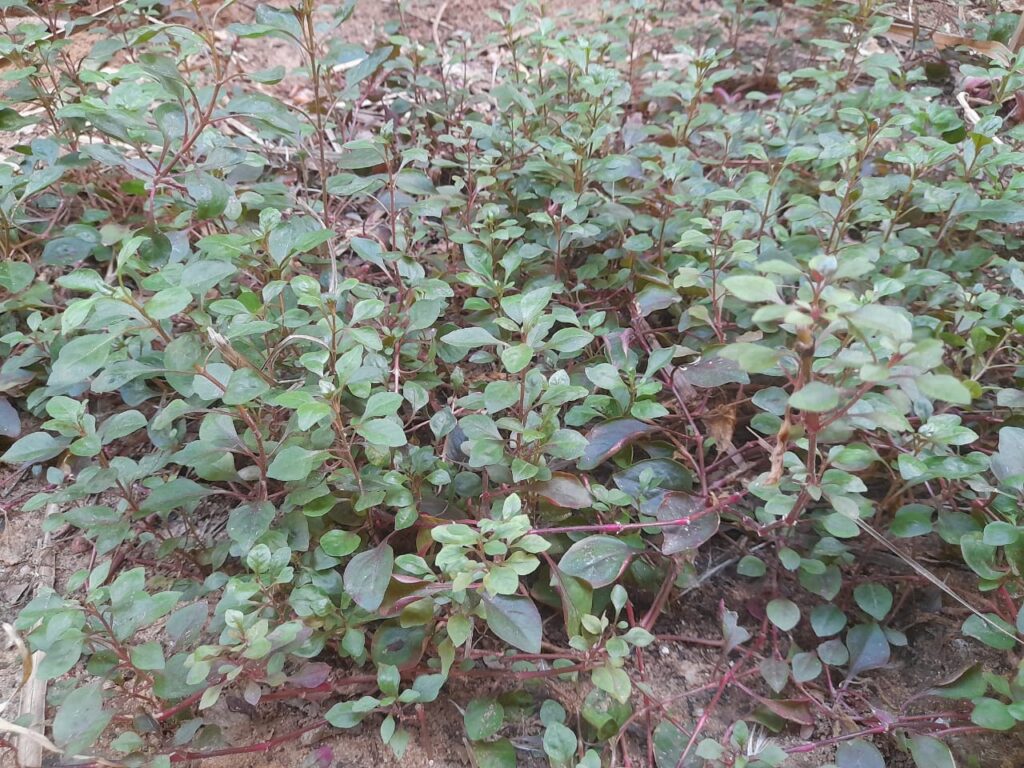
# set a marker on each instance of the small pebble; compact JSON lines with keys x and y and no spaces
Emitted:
{"x":664,"y":650}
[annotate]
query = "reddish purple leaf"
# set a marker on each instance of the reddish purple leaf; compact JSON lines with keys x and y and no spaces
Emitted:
{"x":605,"y":440}
{"x":311,"y":675}
{"x":563,"y":490}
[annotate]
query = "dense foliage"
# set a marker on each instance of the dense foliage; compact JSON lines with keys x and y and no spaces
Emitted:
{"x":447,"y":373}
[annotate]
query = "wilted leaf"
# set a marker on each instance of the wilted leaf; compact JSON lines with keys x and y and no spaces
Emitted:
{"x":791,"y":710}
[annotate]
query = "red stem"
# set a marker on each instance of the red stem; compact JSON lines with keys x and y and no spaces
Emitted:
{"x":263,"y":746}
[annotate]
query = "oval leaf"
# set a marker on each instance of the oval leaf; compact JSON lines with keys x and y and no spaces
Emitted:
{"x":598,"y":560}
{"x":367,"y":576}
{"x":515,"y":620}
{"x":607,"y":439}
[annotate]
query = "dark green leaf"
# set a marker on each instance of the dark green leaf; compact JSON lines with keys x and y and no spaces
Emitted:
{"x":515,"y":620}
{"x":597,"y":560}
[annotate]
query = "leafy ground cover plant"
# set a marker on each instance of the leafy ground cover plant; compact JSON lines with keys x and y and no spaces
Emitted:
{"x":447,"y":374}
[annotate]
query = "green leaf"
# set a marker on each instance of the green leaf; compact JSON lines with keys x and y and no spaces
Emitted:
{"x":167,"y":303}
{"x":399,"y":646}
{"x":888,"y":321}
{"x":128,"y":741}
{"x":186,"y":624}
{"x":597,"y":560}
{"x":806,"y":667}
{"x":515,"y":620}
{"x":61,"y":656}
{"x":569,"y":340}
{"x":751,"y":288}
{"x":992,"y":630}
{"x":34,"y":448}
{"x":559,"y":744}
{"x":247,"y":522}
{"x":367,"y":576}
{"x":473,"y":336}
{"x":499,"y":395}
{"x":1008,"y":461}
{"x":939,"y":386}
{"x":295,"y":463}
{"x":362,"y":153}
{"x":79,"y":359}
{"x":339,"y":543}
{"x":874,"y":599}
{"x":670,"y":743}
{"x":382,"y":404}
{"x":912,"y":520}
{"x":969,"y":684}
{"x":16,"y":276}
{"x":494,"y":754}
{"x":992,"y":714}
{"x":815,"y":397}
{"x":173,"y":494}
{"x":386,"y":432}
{"x":80,"y":719}
{"x":858,"y":753}
{"x":661,"y":474}
{"x":783,"y":613}
{"x":148,"y":656}
{"x":349,"y":714}
{"x":751,"y":567}
{"x":244,"y":385}
{"x":929,"y":752}
{"x":483,"y":718}
{"x":516,"y":357}
{"x":209,"y":193}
